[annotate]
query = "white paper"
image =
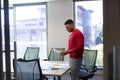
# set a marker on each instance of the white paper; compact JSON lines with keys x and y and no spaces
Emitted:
{"x":60,"y":66}
{"x":57,"y":51}
{"x":45,"y":67}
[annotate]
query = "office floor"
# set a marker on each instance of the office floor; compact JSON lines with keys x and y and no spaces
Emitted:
{"x":67,"y":77}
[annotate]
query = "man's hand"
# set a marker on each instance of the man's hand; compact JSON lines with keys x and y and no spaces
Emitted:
{"x":66,"y":52}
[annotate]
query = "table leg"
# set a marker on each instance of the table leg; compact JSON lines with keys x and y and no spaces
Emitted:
{"x":59,"y":77}
{"x":54,"y":78}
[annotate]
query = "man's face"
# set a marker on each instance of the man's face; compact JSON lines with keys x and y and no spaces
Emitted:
{"x":69,"y":27}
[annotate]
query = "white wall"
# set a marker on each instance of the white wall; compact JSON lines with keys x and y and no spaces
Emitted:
{"x":58,"y":13}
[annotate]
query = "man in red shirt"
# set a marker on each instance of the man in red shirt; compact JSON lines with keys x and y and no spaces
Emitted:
{"x":75,"y":49}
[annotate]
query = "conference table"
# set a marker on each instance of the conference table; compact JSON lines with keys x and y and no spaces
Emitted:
{"x":54,"y":68}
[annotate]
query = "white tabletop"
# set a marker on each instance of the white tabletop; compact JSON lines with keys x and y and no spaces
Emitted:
{"x":54,"y":68}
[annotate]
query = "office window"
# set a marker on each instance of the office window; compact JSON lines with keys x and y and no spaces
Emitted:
{"x":30,"y":25}
{"x":89,"y":19}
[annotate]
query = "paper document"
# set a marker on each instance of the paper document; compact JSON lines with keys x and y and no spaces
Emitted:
{"x":57,"y":51}
{"x":45,"y":67}
{"x":60,"y":66}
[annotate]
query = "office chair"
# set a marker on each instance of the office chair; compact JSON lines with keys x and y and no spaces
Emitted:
{"x":28,"y":69}
{"x":31,"y":53}
{"x":88,"y":66}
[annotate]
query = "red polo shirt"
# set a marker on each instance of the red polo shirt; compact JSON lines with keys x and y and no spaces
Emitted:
{"x":76,"y":43}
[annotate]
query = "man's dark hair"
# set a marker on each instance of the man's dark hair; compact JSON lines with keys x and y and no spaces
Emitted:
{"x":69,"y":21}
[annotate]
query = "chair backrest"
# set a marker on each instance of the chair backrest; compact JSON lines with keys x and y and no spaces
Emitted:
{"x":55,"y":54}
{"x":28,"y":69}
{"x":89,"y":59}
{"x":31,"y":53}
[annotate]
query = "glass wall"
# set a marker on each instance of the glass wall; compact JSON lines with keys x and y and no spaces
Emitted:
{"x":30,"y":23}
{"x":89,"y":19}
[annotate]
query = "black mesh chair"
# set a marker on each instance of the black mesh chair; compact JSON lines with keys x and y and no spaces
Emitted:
{"x":88,"y":67}
{"x":28,"y":69}
{"x":31,"y":53}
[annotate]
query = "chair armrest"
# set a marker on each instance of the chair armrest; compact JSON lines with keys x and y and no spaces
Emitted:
{"x":85,"y":74}
{"x":20,"y":59}
{"x":45,"y":59}
{"x":44,"y":78}
{"x":95,"y":69}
